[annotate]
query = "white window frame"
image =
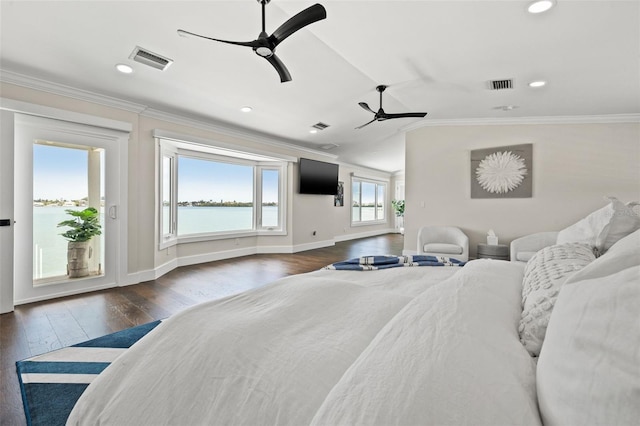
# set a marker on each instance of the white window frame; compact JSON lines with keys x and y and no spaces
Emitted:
{"x":168,"y":238}
{"x":282,"y":211}
{"x":377,"y":182}
{"x":175,"y":149}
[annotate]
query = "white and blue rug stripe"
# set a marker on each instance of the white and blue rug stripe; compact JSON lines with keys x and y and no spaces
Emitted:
{"x":51,"y":383}
{"x":374,"y":263}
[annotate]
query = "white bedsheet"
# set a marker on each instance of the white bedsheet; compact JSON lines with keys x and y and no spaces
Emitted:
{"x":332,"y":347}
{"x":267,"y":356}
{"x":452,"y":356}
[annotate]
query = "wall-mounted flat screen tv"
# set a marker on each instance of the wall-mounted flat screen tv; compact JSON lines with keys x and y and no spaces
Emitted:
{"x":318,"y":177}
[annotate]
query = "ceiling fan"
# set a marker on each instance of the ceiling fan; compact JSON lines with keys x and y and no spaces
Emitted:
{"x":265,"y":45}
{"x":381,"y":115}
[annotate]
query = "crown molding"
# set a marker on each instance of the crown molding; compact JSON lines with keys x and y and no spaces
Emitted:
{"x":68,"y":91}
{"x":100,"y":99}
{"x":229,"y":130}
{"x":59,"y":114}
{"x":366,"y":169}
{"x":563,"y":119}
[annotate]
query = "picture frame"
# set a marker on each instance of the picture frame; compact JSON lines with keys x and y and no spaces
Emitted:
{"x":338,"y":199}
{"x":502,"y":172}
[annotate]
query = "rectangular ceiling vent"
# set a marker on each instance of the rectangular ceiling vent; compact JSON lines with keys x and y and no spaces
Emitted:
{"x":151,"y":59}
{"x":329,"y":146}
{"x":501,"y":84}
{"x":320,"y":126}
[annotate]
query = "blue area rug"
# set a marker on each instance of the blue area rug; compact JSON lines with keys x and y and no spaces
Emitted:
{"x":51,"y":383}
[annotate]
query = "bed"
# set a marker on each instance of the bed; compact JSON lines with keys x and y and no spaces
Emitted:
{"x":551,"y":341}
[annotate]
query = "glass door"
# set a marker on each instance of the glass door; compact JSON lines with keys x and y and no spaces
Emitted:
{"x":67,"y":197}
{"x":58,"y":195}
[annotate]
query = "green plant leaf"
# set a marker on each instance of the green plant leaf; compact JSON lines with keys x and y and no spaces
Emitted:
{"x":85,"y":226}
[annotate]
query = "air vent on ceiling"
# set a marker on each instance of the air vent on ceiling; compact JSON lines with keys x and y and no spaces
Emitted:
{"x":501,"y":84}
{"x":320,"y":125}
{"x":151,"y":59}
{"x":329,"y":146}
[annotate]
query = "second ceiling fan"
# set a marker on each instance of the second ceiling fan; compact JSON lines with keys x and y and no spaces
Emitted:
{"x":265,"y":45}
{"x":380,"y":115}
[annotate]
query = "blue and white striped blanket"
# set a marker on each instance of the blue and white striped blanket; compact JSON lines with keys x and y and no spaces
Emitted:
{"x":52,"y":383}
{"x":373,"y":263}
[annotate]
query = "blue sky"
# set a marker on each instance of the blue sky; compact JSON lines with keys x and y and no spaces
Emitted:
{"x":208,"y":180}
{"x":368,"y":192}
{"x":59,"y":173}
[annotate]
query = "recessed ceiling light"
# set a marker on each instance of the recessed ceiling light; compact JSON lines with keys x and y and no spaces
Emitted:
{"x":246,"y":109}
{"x":313,"y":131}
{"x":538,"y":83}
{"x":540,"y":6}
{"x":123,"y":68}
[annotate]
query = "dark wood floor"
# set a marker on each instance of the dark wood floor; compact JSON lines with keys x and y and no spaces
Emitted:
{"x":40,"y":327}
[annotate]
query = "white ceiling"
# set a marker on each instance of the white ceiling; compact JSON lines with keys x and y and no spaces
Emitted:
{"x":435,"y":56}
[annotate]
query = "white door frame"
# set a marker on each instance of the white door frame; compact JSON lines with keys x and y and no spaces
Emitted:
{"x":6,"y":211}
{"x":399,"y":195}
{"x":8,"y":110}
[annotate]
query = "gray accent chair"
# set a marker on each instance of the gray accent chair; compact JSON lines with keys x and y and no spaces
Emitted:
{"x":523,"y":248}
{"x":446,"y":241}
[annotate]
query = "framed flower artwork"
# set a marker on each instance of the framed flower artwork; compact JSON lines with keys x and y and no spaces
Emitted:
{"x":503,"y":172}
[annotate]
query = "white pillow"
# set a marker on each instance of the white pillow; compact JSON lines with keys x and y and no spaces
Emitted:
{"x":589,"y":367}
{"x":602,"y":228}
{"x":615,"y":259}
{"x":629,"y":242}
{"x":544,"y":274}
{"x":624,"y":222}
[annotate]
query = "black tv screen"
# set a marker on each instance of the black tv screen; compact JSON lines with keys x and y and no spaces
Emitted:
{"x":318,"y":177}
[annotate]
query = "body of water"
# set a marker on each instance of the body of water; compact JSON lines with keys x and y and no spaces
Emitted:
{"x":50,"y":248}
{"x":198,"y":220}
{"x":368,"y":213}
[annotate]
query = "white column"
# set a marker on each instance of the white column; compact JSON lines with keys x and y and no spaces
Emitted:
{"x":94,"y":200}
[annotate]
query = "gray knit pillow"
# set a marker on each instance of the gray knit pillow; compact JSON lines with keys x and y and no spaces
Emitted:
{"x":544,"y":274}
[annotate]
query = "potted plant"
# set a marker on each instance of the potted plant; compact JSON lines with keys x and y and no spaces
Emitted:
{"x":398,"y":207}
{"x":84,"y":226}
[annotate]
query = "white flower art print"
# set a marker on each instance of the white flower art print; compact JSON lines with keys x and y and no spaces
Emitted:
{"x":501,"y":172}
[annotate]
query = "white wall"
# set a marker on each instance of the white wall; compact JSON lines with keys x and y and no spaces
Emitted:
{"x":574,"y":167}
{"x":306,"y":213}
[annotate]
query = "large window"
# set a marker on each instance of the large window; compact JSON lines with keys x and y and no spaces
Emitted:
{"x":206,"y":195}
{"x":368,"y":201}
{"x":214,"y":196}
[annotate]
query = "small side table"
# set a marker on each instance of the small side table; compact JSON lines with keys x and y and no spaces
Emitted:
{"x":498,"y":252}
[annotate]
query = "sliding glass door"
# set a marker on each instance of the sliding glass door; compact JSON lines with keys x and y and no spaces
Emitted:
{"x":67,"y":189}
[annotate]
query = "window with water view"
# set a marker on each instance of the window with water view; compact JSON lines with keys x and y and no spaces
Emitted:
{"x":207,"y":194}
{"x":65,"y":178}
{"x":368,"y":201}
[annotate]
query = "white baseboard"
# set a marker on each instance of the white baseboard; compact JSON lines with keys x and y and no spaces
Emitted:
{"x":153,"y":274}
{"x":150,"y":274}
{"x":219,"y":255}
{"x":409,"y":252}
{"x":310,"y":246}
{"x":348,"y":237}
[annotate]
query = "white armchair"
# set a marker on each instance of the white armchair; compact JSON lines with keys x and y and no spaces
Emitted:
{"x":523,"y":248}
{"x":447,"y":241}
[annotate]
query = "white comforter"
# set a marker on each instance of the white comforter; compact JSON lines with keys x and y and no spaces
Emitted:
{"x":333,"y":348}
